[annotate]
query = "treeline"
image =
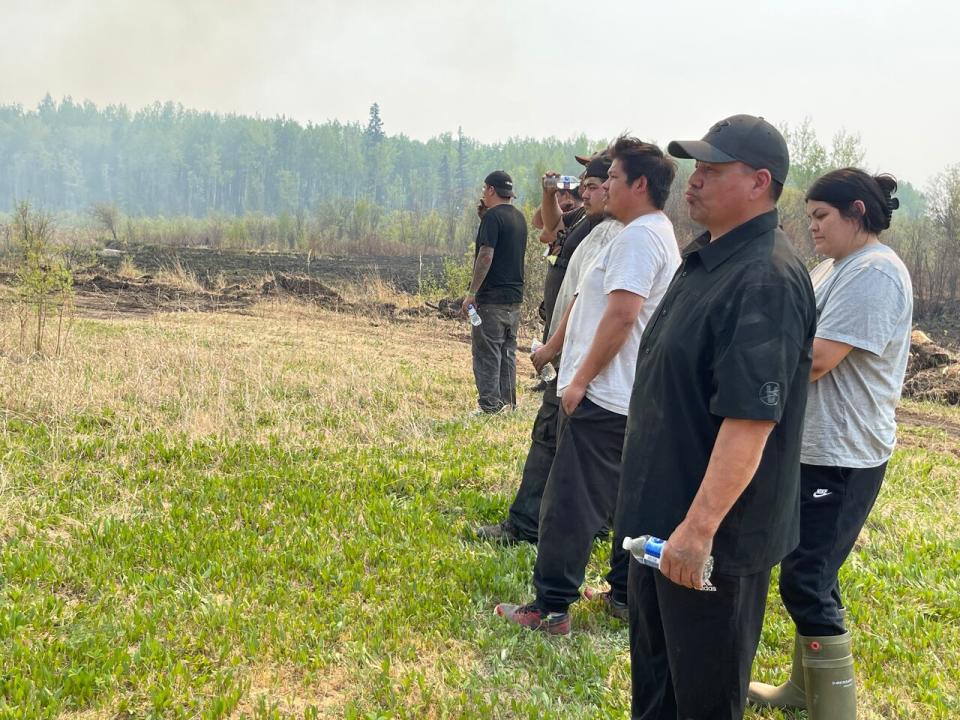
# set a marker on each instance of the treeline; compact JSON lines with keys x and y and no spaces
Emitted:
{"x":171,"y":161}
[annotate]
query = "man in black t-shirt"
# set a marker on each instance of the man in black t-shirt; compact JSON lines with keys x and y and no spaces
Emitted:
{"x":711,"y":459}
{"x":564,"y":209}
{"x":496,"y":291}
{"x":522,"y":523}
{"x":575,"y":225}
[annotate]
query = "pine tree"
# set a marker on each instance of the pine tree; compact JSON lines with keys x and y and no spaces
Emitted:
{"x":373,"y":136}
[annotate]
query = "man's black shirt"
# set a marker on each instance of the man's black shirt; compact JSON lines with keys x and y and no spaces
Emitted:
{"x":731,"y":338}
{"x":579,"y":227}
{"x":503,"y":228}
{"x":568,"y":221}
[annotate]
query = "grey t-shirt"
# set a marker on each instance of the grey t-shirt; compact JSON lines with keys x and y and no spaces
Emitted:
{"x":865,"y":300}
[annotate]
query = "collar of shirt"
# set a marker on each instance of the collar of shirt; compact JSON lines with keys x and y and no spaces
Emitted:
{"x":714,"y":254}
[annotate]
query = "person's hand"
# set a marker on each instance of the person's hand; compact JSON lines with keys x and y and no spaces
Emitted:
{"x":549,"y":190}
{"x":481,"y":209}
{"x":572,"y":397}
{"x":542,"y":355}
{"x":468,"y":299}
{"x":685,"y":555}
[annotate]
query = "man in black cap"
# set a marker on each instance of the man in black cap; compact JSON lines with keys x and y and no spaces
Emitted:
{"x":711,"y":458}
{"x":496,"y":291}
{"x":522,"y":522}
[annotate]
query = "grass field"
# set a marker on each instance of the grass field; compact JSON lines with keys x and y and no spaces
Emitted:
{"x":269,"y":516}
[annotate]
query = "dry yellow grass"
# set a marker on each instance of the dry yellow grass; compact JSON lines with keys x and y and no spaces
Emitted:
{"x":177,"y":276}
{"x":200,"y":375}
{"x":128,"y":269}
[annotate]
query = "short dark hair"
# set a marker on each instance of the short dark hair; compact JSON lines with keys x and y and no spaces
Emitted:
{"x":842,"y":188}
{"x":776,"y":190}
{"x":642,"y":159}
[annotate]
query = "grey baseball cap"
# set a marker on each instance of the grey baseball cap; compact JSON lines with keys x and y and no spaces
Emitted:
{"x":749,"y":139}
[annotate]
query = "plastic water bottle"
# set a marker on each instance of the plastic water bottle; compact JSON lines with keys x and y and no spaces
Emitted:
{"x":648,"y":549}
{"x":548,"y":373}
{"x":562,"y":182}
{"x":474,"y":316}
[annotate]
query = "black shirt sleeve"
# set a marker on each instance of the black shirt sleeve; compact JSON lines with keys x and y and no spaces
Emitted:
{"x":569,"y":219}
{"x":760,"y":337}
{"x":489,"y":232}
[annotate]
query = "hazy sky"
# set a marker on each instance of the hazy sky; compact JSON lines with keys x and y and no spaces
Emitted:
{"x":889,"y":71}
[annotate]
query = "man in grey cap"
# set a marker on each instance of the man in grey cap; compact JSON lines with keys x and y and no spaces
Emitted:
{"x":711,"y":458}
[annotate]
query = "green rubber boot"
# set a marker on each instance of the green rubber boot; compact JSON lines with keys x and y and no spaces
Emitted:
{"x":789,"y":695}
{"x":829,"y":680}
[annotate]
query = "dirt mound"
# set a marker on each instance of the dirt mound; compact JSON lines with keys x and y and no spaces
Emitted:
{"x":924,"y":354}
{"x":939,"y":385}
{"x":301,"y":286}
{"x":447,"y":307}
{"x":933,"y":372}
{"x":102,"y":295}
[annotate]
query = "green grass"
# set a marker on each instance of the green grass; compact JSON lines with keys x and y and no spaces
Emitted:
{"x":268,"y":516}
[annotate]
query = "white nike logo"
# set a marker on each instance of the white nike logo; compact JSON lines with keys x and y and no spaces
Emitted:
{"x":821,"y":493}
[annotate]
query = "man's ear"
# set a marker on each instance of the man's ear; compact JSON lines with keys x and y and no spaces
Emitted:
{"x":640,"y":184}
{"x":762,"y":180}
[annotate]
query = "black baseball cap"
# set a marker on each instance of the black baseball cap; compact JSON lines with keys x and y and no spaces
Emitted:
{"x":501,"y":182}
{"x":599,"y":166}
{"x":749,"y":139}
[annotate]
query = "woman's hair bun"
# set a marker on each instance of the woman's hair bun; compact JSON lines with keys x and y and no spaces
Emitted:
{"x":887,"y":183}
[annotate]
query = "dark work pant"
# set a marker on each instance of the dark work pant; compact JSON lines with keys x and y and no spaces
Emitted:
{"x":579,"y":500}
{"x":525,"y":511}
{"x":834,"y":504}
{"x":494,"y":355}
{"x":691,"y":651}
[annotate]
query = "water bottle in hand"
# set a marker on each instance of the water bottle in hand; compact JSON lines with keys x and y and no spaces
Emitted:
{"x":474,"y":316}
{"x":648,"y":549}
{"x":548,"y":373}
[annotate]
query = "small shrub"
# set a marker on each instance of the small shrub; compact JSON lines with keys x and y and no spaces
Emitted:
{"x":457,"y":274}
{"x":44,"y":282}
{"x":128,"y":269}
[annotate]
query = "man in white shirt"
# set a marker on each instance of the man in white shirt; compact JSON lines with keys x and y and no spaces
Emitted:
{"x":599,"y":335}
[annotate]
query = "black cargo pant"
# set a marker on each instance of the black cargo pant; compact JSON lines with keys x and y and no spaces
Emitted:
{"x":579,"y":500}
{"x":525,"y":510}
{"x":834,"y":504}
{"x":690,"y":650}
{"x":494,"y":355}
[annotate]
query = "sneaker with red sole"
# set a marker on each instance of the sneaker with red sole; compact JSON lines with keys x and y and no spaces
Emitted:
{"x":535,"y":618}
{"x":614,"y":608}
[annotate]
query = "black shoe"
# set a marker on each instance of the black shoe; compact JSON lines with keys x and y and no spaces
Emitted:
{"x":503,"y":532}
{"x":614,"y":608}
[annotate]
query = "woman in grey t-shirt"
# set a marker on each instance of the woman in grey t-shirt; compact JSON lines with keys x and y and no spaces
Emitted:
{"x":864,"y":316}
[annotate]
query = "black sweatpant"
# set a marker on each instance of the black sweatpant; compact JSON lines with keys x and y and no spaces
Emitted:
{"x":690,"y":650}
{"x":834,"y":504}
{"x":579,"y":500}
{"x":525,"y":510}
